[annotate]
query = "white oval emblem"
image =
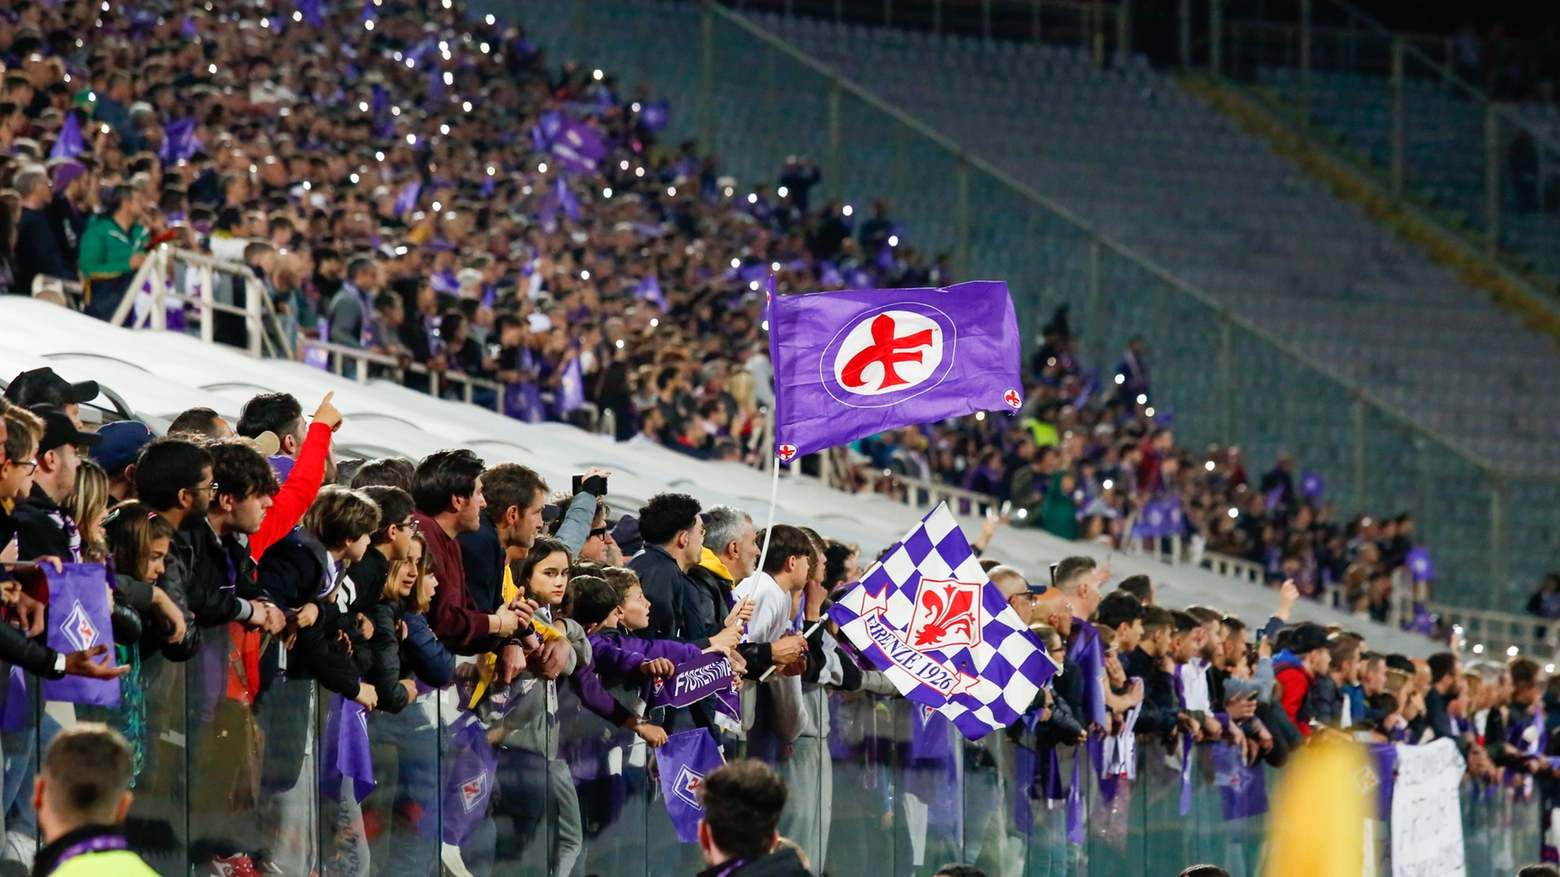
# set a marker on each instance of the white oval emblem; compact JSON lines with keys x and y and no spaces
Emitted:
{"x":888,"y":352}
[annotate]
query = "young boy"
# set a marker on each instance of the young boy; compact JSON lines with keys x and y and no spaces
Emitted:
{"x":598,"y":606}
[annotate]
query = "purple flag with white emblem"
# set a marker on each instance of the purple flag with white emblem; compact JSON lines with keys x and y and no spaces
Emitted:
{"x":928,"y":617}
{"x":685,"y":760}
{"x":178,"y":141}
{"x":571,"y":387}
{"x":692,"y":682}
{"x":855,"y":363}
{"x":1312,"y":485}
{"x":576,"y":145}
{"x":470,"y":767}
{"x":346,"y":753}
{"x":1242,"y":787}
{"x":79,"y":620}
{"x":1380,"y":774}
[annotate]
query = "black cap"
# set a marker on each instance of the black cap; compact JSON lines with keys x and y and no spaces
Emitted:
{"x":1307,"y":637}
{"x":59,"y":430}
{"x":626,"y":534}
{"x":41,"y":386}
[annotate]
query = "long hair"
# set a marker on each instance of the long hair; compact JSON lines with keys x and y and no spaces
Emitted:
{"x":417,"y":600}
{"x":542,"y":548}
{"x":86,"y":506}
{"x":129,"y":531}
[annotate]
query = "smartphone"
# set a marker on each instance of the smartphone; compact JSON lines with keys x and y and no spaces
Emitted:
{"x":1053,"y":575}
{"x":579,"y":484}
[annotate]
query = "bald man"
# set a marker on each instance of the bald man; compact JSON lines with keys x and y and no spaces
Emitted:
{"x":1016,"y":590}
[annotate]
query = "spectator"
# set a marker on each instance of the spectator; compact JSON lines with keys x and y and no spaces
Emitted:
{"x":743,"y":802}
{"x":82,"y":797}
{"x":43,"y":528}
{"x":112,"y":249}
{"x":37,"y":250}
{"x":674,"y":542}
{"x":1305,"y":656}
{"x":1545,"y":602}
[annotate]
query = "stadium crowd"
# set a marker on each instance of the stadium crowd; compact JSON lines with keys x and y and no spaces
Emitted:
{"x":247,"y":568}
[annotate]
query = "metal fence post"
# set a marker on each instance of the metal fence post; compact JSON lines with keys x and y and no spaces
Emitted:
{"x":707,"y":85}
{"x":1226,"y":380}
{"x":1492,"y":179}
{"x":1215,"y":36}
{"x":836,"y":169}
{"x":961,"y":233}
{"x":1305,"y":62}
{"x":1397,"y":117}
{"x":1357,"y":411}
{"x":1496,"y":589}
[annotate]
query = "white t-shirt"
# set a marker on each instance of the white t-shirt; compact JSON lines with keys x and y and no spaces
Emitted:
{"x":771,"y":607}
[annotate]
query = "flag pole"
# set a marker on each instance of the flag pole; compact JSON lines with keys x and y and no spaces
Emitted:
{"x":769,"y":426}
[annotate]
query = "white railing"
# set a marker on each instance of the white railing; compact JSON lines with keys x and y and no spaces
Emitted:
{"x":185,"y":277}
{"x":1491,"y":634}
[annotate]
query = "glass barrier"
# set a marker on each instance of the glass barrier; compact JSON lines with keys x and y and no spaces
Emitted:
{"x":754,"y":101}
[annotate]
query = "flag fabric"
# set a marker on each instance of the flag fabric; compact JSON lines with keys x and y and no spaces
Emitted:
{"x":685,"y":760}
{"x":69,"y":143}
{"x":566,"y":200}
{"x":346,"y":752}
{"x":489,"y":185}
{"x":470,"y":770}
{"x":178,"y":141}
{"x":1419,"y":563}
{"x":1160,"y":517}
{"x":368,"y":11}
{"x":381,"y":101}
{"x":655,"y":115}
{"x":407,"y":200}
{"x":311,"y":12}
{"x":856,"y":363}
{"x":16,"y":715}
{"x":577,"y":146}
{"x":571,"y":387}
{"x":79,"y":618}
{"x":1378,"y":776}
{"x":435,"y":82}
{"x":928,"y":617}
{"x":649,"y":289}
{"x":1242,"y":787}
{"x":1312,"y":485}
{"x":692,"y":682}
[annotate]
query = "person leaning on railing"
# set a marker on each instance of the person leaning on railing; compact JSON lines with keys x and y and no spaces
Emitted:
{"x":111,"y":251}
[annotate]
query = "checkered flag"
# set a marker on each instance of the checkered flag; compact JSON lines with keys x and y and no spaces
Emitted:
{"x":928,"y":617}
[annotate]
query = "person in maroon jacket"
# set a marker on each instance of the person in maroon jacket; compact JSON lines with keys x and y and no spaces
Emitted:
{"x":447,"y":488}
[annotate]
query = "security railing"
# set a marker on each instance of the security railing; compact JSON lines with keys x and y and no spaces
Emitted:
{"x":175,"y":285}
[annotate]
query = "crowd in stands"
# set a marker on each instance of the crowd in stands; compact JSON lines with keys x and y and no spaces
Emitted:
{"x":245,"y":562}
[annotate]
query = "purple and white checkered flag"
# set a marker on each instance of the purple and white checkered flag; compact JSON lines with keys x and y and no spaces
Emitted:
{"x":928,"y":617}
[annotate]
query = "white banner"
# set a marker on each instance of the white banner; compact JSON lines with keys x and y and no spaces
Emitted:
{"x":1427,"y":838}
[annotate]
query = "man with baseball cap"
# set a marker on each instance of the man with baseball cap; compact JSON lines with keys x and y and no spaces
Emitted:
{"x":120,"y":443}
{"x":42,"y":386}
{"x":42,"y":527}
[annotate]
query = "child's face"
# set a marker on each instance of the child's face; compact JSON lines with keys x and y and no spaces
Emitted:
{"x":549,"y":579}
{"x":16,"y":476}
{"x":356,"y":550}
{"x":408,"y":573}
{"x":636,"y":609}
{"x":156,"y":556}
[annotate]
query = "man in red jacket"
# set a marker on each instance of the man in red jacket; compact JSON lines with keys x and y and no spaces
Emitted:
{"x":1304,"y":657}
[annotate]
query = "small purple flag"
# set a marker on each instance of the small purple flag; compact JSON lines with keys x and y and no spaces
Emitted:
{"x":655,"y":115}
{"x":346,"y":753}
{"x":1160,"y":517}
{"x":470,"y":770}
{"x":1275,"y":497}
{"x":1419,"y":563}
{"x":1186,"y":773}
{"x":1088,"y":652}
{"x":489,"y":185}
{"x":188,"y":28}
{"x":79,"y":620}
{"x":685,"y":760}
{"x":1076,"y":833}
{"x":407,"y":200}
{"x":649,"y":289}
{"x":368,"y":11}
{"x":69,"y":144}
{"x":435,"y":82}
{"x":571,"y":387}
{"x":178,"y":141}
{"x":856,"y":363}
{"x":1242,"y":787}
{"x":1380,"y":774}
{"x":381,"y":101}
{"x":577,"y":146}
{"x":566,"y":199}
{"x":693,"y":682}
{"x":311,"y":12}
{"x":1312,"y":485}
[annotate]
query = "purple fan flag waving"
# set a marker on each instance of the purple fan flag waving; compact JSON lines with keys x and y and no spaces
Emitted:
{"x":1419,"y":563}
{"x":928,"y":617}
{"x":576,"y":145}
{"x":692,"y":682}
{"x":470,"y":770}
{"x":178,"y":141}
{"x":407,"y":200}
{"x":79,"y":620}
{"x":1242,"y":787}
{"x":856,"y":363}
{"x":69,"y":143}
{"x":346,"y":752}
{"x":685,"y":760}
{"x":571,"y":387}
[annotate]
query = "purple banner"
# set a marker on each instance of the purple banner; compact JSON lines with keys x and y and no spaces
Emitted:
{"x":856,"y":363}
{"x":685,"y":760}
{"x":577,"y":146}
{"x":1381,"y":773}
{"x":1242,"y":787}
{"x":15,"y":716}
{"x":69,"y":143}
{"x":471,"y":767}
{"x":79,"y":620}
{"x":693,"y":682}
{"x":346,"y":753}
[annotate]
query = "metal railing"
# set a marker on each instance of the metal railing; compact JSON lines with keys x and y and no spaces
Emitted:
{"x":193,"y":282}
{"x":1493,"y":634}
{"x":339,"y":356}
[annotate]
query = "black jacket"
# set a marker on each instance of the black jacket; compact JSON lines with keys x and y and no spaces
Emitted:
{"x":781,"y":863}
{"x":214,"y":576}
{"x":294,"y":573}
{"x":382,"y":659}
{"x":423,"y":655}
{"x":667,"y":587}
{"x":29,"y":654}
{"x":38,"y":251}
{"x":483,"y":557}
{"x":40,"y":528}
{"x":1160,"y":704}
{"x":707,"y":602}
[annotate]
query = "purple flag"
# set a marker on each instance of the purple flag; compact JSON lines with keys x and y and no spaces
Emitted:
{"x":693,"y":682}
{"x":856,"y":363}
{"x":470,"y":770}
{"x":489,"y":185}
{"x":381,"y":101}
{"x":685,"y":760}
{"x":1023,"y":789}
{"x":1242,"y":787}
{"x":407,"y":200}
{"x":1160,"y":517}
{"x":649,"y":289}
{"x":178,"y":141}
{"x":16,"y":716}
{"x":435,"y":82}
{"x":346,"y":754}
{"x":1312,"y":485}
{"x":69,"y":144}
{"x":1076,"y":834}
{"x":577,"y":146}
{"x":1089,"y":654}
{"x":79,"y":620}
{"x":566,"y":200}
{"x":1419,"y":563}
{"x":368,"y":11}
{"x":1186,"y":772}
{"x":1275,"y":497}
{"x":655,"y":115}
{"x":1380,"y":774}
{"x":571,"y":387}
{"x":311,"y":12}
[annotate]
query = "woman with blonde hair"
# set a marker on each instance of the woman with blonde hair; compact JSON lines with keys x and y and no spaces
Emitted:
{"x":87,"y":506}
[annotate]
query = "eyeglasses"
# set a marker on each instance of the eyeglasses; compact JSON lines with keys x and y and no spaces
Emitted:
{"x":29,"y":466}
{"x":599,"y":533}
{"x":201,"y":488}
{"x":1031,"y":599}
{"x":409,"y":524}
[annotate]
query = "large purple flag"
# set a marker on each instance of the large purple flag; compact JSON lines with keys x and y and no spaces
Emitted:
{"x":856,"y":363}
{"x":470,"y":769}
{"x":576,"y":145}
{"x":1242,"y":787}
{"x":692,"y":682}
{"x":69,"y":144}
{"x":685,"y":760}
{"x":571,"y":387}
{"x":79,"y":620}
{"x":928,"y":617}
{"x":346,"y":753}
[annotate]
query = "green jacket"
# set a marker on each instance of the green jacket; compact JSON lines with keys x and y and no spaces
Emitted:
{"x":106,"y":248}
{"x":114,"y":863}
{"x":90,"y":851}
